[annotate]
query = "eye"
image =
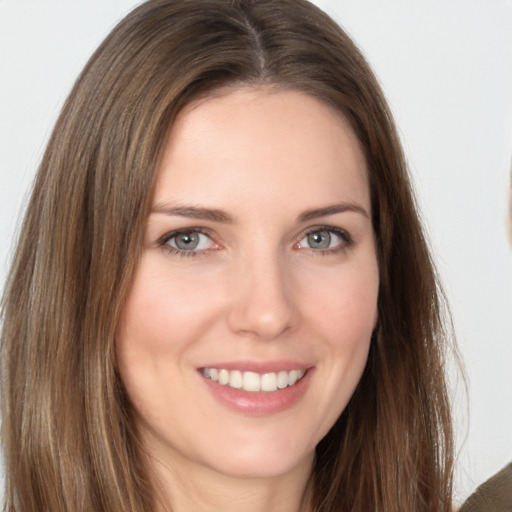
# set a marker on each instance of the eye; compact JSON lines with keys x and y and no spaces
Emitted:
{"x":188,"y":241}
{"x":325,"y":239}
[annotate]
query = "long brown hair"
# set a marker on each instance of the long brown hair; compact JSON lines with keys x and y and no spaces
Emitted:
{"x":68,"y":440}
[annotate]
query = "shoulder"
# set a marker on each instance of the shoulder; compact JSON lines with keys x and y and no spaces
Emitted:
{"x":494,"y":495}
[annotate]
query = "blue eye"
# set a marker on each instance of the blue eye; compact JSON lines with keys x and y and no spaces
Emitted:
{"x":188,"y":241}
{"x":325,"y":239}
{"x":319,"y":240}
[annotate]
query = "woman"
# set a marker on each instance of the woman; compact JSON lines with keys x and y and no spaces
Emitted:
{"x":221,"y":295}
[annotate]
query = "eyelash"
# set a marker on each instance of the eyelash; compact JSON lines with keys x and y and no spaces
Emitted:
{"x":163,"y":242}
{"x":346,"y":241}
{"x":345,"y":244}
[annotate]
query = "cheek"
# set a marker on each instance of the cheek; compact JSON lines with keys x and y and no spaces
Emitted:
{"x":160,"y":320}
{"x":164,"y":309}
{"x":343,"y":314}
{"x":345,"y":308}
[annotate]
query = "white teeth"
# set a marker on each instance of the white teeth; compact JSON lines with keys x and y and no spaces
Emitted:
{"x":269,"y":382}
{"x":292,"y":377}
{"x":223,"y":377}
{"x":282,"y":380}
{"x":251,"y":381}
{"x":235,"y":379}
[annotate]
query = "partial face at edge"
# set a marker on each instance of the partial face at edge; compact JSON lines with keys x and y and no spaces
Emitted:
{"x":259,"y":267}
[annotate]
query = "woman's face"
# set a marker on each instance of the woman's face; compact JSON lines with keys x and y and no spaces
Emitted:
{"x":248,"y":323}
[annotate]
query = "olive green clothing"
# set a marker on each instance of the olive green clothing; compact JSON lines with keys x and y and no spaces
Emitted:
{"x":494,"y":495}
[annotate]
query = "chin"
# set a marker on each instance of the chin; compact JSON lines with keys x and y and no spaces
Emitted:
{"x":263,"y":466}
{"x":263,"y":459}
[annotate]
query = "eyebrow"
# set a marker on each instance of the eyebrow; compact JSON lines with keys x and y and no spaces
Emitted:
{"x":194,"y":212}
{"x":331,"y":210}
{"x":215,"y":215}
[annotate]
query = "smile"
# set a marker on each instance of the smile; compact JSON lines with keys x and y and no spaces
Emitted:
{"x":252,"y":381}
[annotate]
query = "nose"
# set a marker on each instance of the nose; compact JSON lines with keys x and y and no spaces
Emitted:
{"x":263,"y":305}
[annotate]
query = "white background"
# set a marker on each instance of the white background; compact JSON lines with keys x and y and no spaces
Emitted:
{"x":446,"y":67}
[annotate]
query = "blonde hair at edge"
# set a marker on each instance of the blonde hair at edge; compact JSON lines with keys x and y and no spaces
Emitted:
{"x":68,"y":435}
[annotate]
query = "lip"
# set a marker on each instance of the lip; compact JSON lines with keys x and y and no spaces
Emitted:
{"x":258,"y":366}
{"x":258,"y":403}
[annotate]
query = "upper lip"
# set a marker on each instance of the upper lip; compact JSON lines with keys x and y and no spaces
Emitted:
{"x":258,"y":366}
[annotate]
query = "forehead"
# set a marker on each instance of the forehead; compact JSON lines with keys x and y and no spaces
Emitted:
{"x":259,"y":141}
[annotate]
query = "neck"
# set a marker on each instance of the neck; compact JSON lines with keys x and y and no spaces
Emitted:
{"x":192,"y":488}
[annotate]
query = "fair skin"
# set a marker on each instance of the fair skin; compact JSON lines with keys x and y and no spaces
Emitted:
{"x":258,"y":269}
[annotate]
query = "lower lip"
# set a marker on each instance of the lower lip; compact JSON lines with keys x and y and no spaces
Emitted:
{"x":259,"y":403}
